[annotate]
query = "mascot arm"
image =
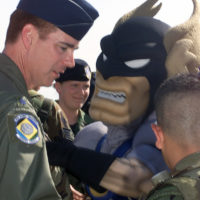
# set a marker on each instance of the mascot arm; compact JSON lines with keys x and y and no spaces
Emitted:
{"x":89,"y":136}
{"x":127,"y":177}
{"x":85,"y":164}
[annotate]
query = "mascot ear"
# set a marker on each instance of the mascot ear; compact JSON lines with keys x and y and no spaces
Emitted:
{"x":182,"y":44}
{"x":146,"y":9}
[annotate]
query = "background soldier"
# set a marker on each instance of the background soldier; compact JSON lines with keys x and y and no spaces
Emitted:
{"x":73,"y":87}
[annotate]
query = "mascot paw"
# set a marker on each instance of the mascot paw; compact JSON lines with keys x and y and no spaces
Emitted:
{"x":180,"y":59}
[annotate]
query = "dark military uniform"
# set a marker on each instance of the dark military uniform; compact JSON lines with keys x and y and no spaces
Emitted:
{"x":55,"y":125}
{"x":83,"y":120}
{"x":24,"y":168}
{"x":183,"y":182}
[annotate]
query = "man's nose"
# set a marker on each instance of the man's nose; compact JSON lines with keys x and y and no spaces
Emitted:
{"x":69,"y":59}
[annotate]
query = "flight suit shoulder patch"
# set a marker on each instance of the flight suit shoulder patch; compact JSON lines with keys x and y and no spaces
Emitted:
{"x":23,"y":124}
{"x":26,"y":128}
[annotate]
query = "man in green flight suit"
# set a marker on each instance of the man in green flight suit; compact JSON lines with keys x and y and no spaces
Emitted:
{"x":40,"y":41}
{"x":177,"y":133}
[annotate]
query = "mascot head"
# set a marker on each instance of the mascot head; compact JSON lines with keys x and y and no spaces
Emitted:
{"x":130,"y":67}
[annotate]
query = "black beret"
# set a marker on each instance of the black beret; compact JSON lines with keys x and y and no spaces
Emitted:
{"x":80,"y":72}
{"x":74,"y":17}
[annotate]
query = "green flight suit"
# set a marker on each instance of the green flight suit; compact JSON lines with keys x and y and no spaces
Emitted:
{"x":24,"y":167}
{"x":183,"y":183}
{"x":54,"y":125}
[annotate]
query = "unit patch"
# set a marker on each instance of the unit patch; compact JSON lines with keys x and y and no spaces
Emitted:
{"x":23,"y":101}
{"x":27,"y":128}
{"x":88,"y":72}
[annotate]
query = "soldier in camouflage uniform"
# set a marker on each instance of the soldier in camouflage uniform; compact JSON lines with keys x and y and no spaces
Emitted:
{"x":73,"y":87}
{"x":55,"y":125}
{"x":177,"y":133}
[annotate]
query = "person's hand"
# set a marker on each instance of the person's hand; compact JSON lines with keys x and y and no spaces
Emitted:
{"x":77,"y":195}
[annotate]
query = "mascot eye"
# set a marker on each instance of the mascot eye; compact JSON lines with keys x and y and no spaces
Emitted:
{"x":139,"y":63}
{"x":104,"y":57}
{"x":151,"y":44}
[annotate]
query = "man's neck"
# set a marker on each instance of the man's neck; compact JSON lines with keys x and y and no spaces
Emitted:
{"x":72,"y":115}
{"x":12,"y":51}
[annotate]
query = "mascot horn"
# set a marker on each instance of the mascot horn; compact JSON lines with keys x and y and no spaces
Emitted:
{"x":182,"y":44}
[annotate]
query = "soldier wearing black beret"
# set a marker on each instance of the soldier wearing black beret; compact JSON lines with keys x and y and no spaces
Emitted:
{"x":73,"y":87}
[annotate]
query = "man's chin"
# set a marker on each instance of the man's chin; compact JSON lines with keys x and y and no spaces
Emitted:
{"x":78,"y":107}
{"x":48,"y":83}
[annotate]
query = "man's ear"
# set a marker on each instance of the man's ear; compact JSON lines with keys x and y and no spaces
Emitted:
{"x":27,"y":35}
{"x":159,"y":135}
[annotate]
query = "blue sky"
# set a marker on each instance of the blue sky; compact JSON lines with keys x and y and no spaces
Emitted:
{"x":173,"y":12}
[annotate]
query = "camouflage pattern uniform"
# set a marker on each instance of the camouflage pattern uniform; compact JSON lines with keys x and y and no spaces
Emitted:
{"x":54,"y":124}
{"x":182,"y":183}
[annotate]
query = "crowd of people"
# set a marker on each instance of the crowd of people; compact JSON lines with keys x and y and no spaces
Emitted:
{"x":129,"y":130}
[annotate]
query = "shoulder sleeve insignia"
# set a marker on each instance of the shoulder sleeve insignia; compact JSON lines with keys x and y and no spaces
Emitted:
{"x":23,"y":101}
{"x":27,"y":128}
